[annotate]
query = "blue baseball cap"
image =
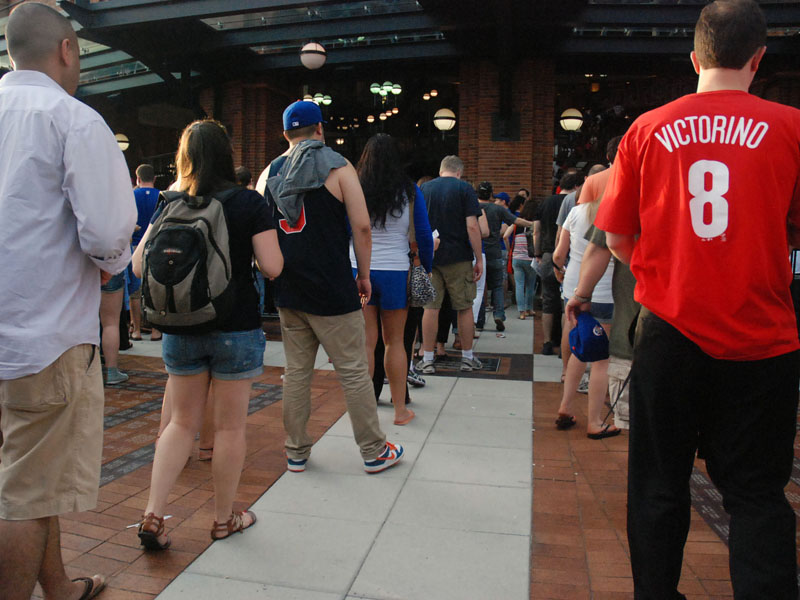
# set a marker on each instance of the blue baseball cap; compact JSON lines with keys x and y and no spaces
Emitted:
{"x":503,"y":196}
{"x":301,"y":114}
{"x":588,"y":341}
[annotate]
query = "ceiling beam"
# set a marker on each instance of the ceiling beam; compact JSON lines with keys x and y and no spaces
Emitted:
{"x":119,"y":13}
{"x":320,"y":30}
{"x":656,"y":45}
{"x":410,"y":51}
{"x":661,"y":15}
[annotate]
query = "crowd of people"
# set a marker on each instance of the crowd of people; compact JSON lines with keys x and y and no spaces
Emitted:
{"x":672,"y":218}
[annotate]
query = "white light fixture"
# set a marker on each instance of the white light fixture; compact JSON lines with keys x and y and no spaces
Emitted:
{"x":308,"y":97}
{"x":356,"y":126}
{"x":375,"y":88}
{"x":382,"y":116}
{"x":383,"y":92}
{"x":318,"y":98}
{"x":395,"y":110}
{"x":434,"y":93}
{"x":444,"y":119}
{"x":339,"y":141}
{"x":387,"y":85}
{"x":571,"y":119}
{"x":122,"y":141}
{"x":326,"y":100}
{"x":313,"y":55}
{"x":370,"y":119}
{"x":426,"y":96}
{"x":397,"y":89}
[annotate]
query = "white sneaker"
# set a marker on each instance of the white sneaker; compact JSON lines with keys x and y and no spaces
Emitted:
{"x":391,"y":455}
{"x":583,"y":386}
{"x":425,"y":367}
{"x":470,"y":364}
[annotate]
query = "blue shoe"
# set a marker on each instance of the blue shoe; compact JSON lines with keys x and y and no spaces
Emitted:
{"x":391,"y":455}
{"x":296,"y":465}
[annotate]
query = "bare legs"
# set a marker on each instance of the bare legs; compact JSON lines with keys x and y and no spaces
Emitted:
{"x":136,"y":318}
{"x":110,"y":307}
{"x":31,"y":550}
{"x":395,"y":360}
{"x":177,"y":439}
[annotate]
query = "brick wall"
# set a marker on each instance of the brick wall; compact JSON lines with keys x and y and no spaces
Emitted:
{"x":252,"y":113}
{"x":508,"y":165}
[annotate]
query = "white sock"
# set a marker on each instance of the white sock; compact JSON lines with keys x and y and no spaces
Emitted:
{"x":428,"y":356}
{"x":466,"y":353}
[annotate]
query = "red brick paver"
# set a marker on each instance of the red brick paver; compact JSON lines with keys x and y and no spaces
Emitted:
{"x":100,"y":541}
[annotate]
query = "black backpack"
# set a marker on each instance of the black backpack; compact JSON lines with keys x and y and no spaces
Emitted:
{"x":187,"y":277}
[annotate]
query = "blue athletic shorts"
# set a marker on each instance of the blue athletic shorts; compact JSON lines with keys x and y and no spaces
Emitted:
{"x":389,"y":289}
{"x":228,"y":355}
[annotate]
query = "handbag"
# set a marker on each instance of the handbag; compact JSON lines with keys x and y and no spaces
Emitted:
{"x":529,"y":240}
{"x":420,"y":286}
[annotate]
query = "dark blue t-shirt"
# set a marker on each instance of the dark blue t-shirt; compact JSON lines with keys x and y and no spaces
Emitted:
{"x":146,"y":200}
{"x":450,"y":201}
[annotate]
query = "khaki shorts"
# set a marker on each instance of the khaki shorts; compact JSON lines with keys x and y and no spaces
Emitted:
{"x":52,"y":425}
{"x":456,"y":280}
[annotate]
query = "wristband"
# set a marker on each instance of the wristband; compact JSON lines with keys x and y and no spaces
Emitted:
{"x":579,"y":298}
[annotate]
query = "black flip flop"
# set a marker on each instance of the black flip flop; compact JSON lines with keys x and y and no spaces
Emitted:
{"x":565,"y":422}
{"x":604,"y":433}
{"x":91,"y":590}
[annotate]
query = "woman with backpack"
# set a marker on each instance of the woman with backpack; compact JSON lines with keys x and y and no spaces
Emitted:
{"x":227,"y":350}
{"x":390,"y":196}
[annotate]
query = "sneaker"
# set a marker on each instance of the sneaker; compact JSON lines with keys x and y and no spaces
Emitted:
{"x":583,"y":386}
{"x":499,"y":325}
{"x":385,"y":381}
{"x":297,"y":465}
{"x":426,"y":367}
{"x":547,"y":349}
{"x":415,"y":380}
{"x":391,"y":455}
{"x":470,"y":364}
{"x":115,"y":377}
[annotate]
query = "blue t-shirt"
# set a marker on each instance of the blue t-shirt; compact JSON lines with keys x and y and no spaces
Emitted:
{"x":450,"y":201}
{"x":146,"y":200}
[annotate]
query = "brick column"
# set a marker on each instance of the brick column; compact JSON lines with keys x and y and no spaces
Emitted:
{"x":509,"y":165}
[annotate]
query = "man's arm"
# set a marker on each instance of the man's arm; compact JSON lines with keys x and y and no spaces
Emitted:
{"x":537,"y":239}
{"x":593,"y":266}
{"x":99,"y":191}
{"x":484,"y":224}
{"x":621,"y":246}
{"x":358,"y":215}
{"x":474,"y":232}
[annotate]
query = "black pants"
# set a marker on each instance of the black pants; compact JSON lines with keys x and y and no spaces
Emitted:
{"x":741,"y":416}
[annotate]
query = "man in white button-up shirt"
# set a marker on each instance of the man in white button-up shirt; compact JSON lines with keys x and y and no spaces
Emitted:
{"x":66,"y":216}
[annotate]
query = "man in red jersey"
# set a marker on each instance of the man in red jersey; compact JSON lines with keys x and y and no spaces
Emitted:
{"x":704,"y":203}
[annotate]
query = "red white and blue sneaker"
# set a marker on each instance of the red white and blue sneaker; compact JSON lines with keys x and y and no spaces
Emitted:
{"x":296,"y":465}
{"x":391,"y":455}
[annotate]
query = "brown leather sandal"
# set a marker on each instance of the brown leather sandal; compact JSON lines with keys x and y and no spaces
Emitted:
{"x":233,"y":525}
{"x":148,"y":536}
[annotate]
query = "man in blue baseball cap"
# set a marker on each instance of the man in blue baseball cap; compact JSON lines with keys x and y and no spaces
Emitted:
{"x":314,"y":192}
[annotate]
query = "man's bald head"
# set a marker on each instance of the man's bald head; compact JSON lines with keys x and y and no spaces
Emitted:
{"x":39,"y":38}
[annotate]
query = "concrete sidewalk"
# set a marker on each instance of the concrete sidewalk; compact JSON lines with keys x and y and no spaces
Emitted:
{"x":452,"y":520}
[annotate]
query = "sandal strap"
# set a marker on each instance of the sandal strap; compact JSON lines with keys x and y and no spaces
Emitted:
{"x":234,"y":524}
{"x":152,"y":519}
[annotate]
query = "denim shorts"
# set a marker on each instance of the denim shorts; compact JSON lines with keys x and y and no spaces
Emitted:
{"x":115,"y":284}
{"x":229,"y":355}
{"x":602,"y":311}
{"x":389,"y":289}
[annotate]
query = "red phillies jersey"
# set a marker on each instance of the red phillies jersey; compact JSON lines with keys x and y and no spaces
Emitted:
{"x":710,"y":182}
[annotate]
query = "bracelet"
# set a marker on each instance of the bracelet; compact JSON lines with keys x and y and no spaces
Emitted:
{"x":579,"y":298}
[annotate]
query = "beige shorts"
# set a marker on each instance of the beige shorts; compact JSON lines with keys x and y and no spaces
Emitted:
{"x":456,"y":279}
{"x":52,"y":425}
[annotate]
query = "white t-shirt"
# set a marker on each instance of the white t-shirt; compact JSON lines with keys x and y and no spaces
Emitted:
{"x":577,"y":224}
{"x":389,"y":245}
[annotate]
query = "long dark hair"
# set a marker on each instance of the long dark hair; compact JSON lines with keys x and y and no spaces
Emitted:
{"x":386,"y":187}
{"x":205,"y":158}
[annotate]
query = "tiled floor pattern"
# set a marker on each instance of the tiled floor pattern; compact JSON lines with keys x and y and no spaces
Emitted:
{"x":100,"y":540}
{"x":579,"y":530}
